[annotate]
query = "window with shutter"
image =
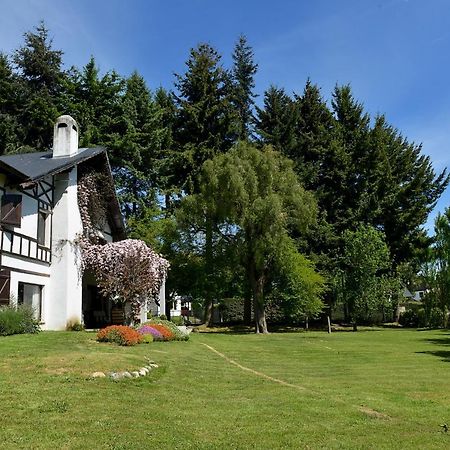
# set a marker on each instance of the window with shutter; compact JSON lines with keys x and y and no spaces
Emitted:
{"x":11,"y":213}
{"x":5,"y":280}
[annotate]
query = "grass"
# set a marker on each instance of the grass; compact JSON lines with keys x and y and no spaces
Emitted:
{"x":365,"y":390}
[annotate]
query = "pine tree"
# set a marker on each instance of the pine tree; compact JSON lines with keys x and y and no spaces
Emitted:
{"x":203,"y":125}
{"x":276,"y":121}
{"x":10,"y":99}
{"x":40,"y":68}
{"x":243,"y":72}
{"x":96,"y":103}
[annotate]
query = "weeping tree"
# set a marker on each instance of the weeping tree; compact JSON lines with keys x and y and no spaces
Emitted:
{"x":255,"y":199}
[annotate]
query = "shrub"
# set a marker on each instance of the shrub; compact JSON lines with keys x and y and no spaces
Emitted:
{"x":177,"y":320}
{"x":167,"y":334}
{"x":163,"y":317}
{"x":119,"y":334}
{"x":74,"y":325}
{"x":17,"y":320}
{"x":146,"y":330}
{"x":147,"y":338}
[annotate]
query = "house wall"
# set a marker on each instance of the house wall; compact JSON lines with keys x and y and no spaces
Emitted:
{"x":23,"y":268}
{"x":66,"y":285}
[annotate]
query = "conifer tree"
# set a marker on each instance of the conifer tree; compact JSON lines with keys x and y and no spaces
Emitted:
{"x":10,"y":99}
{"x":40,"y":68}
{"x":276,"y":121}
{"x":203,"y":125}
{"x":243,"y":72}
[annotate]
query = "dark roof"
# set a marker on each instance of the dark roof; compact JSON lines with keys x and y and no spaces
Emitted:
{"x":34,"y":166}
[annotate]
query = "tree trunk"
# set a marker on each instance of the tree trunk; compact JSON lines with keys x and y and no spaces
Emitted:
{"x":355,"y":326}
{"x":257,"y":283}
{"x":209,"y":272}
{"x":248,"y":308}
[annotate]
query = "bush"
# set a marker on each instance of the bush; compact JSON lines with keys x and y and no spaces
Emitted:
{"x":421,"y":318}
{"x":147,"y":330}
{"x":147,"y":338}
{"x":410,"y":318}
{"x":74,"y":325}
{"x":178,"y":335}
{"x":177,"y":320}
{"x":435,"y":318}
{"x":163,"y":317}
{"x":167,"y":334}
{"x":119,"y":334}
{"x":17,"y":320}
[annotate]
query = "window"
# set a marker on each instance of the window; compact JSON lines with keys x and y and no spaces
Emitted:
{"x":31,"y":295}
{"x":11,"y":213}
{"x":43,"y":234}
{"x":5,"y":280}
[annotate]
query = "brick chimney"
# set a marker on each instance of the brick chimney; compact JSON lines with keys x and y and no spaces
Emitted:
{"x":65,"y":137}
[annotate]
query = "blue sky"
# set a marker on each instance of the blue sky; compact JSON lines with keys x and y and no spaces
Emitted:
{"x":394,"y":53}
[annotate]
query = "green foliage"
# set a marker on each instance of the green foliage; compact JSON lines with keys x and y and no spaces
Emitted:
{"x":204,"y":122}
{"x":74,"y":325}
{"x":276,"y":121}
{"x":366,"y":284}
{"x":17,"y":320}
{"x":243,"y":72}
{"x":253,"y":198}
{"x":299,"y":286}
{"x":147,"y":338}
{"x":41,"y":87}
{"x":177,"y":320}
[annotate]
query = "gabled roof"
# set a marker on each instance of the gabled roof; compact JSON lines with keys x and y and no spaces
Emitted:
{"x":31,"y":167}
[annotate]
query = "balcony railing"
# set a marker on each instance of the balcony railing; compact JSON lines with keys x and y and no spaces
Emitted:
{"x":18,"y":244}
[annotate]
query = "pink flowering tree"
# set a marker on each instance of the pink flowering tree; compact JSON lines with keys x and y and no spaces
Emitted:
{"x":127,"y":271}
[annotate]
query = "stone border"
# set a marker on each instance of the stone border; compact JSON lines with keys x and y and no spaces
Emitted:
{"x":142,"y":372}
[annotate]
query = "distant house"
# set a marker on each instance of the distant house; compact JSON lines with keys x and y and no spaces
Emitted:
{"x":39,"y":223}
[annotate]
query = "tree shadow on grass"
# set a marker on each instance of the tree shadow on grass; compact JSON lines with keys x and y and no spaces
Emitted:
{"x":443,"y":341}
{"x":443,"y":354}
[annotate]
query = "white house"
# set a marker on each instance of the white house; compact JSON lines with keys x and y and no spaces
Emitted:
{"x":39,"y":223}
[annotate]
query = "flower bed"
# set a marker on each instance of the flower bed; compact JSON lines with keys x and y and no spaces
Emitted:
{"x":147,"y":330}
{"x":119,"y":334}
{"x":167,"y":329}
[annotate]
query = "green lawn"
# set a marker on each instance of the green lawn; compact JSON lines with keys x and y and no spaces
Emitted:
{"x":373,"y":389}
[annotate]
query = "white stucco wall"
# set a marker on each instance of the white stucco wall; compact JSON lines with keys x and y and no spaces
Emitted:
{"x":17,"y":277}
{"x":66,"y":285}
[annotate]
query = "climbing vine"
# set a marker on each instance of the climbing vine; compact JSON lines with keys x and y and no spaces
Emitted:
{"x":127,"y":271}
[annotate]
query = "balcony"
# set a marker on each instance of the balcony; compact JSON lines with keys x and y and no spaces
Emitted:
{"x":14,"y":243}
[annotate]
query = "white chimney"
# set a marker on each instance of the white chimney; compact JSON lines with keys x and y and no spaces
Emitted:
{"x":65,"y":137}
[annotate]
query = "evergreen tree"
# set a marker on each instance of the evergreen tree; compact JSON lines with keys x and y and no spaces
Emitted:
{"x":10,"y":99}
{"x":96,"y":103}
{"x":276,"y":121}
{"x":40,"y":68}
{"x":243,"y":72}
{"x":203,"y":126}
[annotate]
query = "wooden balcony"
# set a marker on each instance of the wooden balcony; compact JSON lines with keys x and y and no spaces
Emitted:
{"x":14,"y":243}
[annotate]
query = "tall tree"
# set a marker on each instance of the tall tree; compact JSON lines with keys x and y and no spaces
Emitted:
{"x":243,"y":72}
{"x":366,"y":260}
{"x":10,"y":100}
{"x":203,"y":127}
{"x":254,"y":196}
{"x":40,"y":67}
{"x":276,"y":121}
{"x":95,"y":102}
